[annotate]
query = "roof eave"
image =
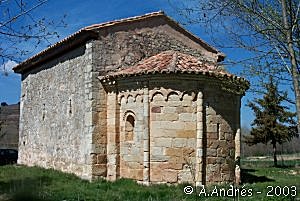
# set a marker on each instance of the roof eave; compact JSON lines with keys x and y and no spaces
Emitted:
{"x":90,"y":33}
{"x":57,"y":49}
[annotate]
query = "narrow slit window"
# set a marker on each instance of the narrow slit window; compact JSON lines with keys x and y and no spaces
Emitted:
{"x":218,"y":130}
{"x":70,"y":107}
{"x":44,"y":111}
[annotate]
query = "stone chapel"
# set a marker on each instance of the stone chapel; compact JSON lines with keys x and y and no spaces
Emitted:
{"x":139,"y":98}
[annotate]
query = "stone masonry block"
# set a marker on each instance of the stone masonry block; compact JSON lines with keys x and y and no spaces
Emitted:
{"x":173,"y":98}
{"x":159,"y":158}
{"x":138,"y":174}
{"x":163,"y":142}
{"x":169,"y":110}
{"x":211,"y":152}
{"x":212,"y":135}
{"x":155,"y":175}
{"x":170,"y":165}
{"x":186,"y":133}
{"x":166,"y":117}
{"x":99,"y":170}
{"x":173,"y":151}
{"x":222,"y":151}
{"x":170,"y":176}
{"x":156,"y":109}
{"x":174,"y":103}
{"x":135,"y":165}
{"x":174,"y":125}
{"x":179,"y":142}
{"x":191,"y":142}
{"x":94,"y":158}
{"x":211,"y":160}
{"x":186,"y":103}
{"x":157,"y":151}
{"x":210,"y":128}
{"x":185,"y":176}
{"x":222,"y":136}
{"x":188,"y":151}
{"x":101,"y":159}
{"x":158,"y":132}
{"x":190,"y":125}
{"x":229,"y":136}
{"x":187,"y":117}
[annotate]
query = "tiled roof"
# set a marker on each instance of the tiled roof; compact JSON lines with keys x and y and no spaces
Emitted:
{"x":89,"y":33}
{"x":150,"y":15}
{"x":172,"y":62}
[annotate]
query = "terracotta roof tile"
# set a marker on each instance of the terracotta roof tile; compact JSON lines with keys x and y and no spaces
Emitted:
{"x":172,"y":62}
{"x":168,"y":61}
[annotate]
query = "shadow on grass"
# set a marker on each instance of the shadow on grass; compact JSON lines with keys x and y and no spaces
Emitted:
{"x":285,"y":164}
{"x":27,"y":189}
{"x":247,"y":176}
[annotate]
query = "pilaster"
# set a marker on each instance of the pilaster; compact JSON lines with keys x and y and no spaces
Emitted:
{"x":237,"y":141}
{"x":112,"y":135}
{"x":146,"y":170}
{"x":199,"y":140}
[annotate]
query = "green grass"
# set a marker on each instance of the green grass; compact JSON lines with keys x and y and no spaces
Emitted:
{"x":19,"y":183}
{"x":258,"y":175}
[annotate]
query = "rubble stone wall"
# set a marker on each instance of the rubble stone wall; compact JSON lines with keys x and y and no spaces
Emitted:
{"x":56,"y":117}
{"x":222,"y":124}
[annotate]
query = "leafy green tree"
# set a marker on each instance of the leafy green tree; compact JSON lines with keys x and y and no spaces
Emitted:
{"x":273,"y":122}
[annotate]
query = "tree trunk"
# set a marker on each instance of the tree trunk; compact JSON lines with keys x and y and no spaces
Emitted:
{"x":295,"y":75}
{"x":274,"y":154}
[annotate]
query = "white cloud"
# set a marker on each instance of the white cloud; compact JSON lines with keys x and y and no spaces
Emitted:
{"x":8,"y":66}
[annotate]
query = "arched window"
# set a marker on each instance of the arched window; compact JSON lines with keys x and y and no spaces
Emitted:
{"x":129,"y":128}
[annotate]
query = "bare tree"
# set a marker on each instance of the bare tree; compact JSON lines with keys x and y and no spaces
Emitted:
{"x":21,"y":32}
{"x":269,"y":30}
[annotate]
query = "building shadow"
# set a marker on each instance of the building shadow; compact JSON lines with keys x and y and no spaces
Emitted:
{"x":26,"y":189}
{"x":247,"y":176}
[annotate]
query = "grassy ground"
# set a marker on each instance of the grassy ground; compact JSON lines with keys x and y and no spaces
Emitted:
{"x":19,"y":183}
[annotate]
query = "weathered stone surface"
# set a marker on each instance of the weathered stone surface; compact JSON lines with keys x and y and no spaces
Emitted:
{"x":186,"y":133}
{"x":54,"y":119}
{"x":156,"y":110}
{"x":170,"y":176}
{"x":147,"y":128}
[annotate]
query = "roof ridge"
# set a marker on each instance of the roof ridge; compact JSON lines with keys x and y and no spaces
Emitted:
{"x":90,"y":32}
{"x":116,"y":21}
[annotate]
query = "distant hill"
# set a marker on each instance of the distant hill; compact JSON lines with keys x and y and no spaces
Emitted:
{"x":9,"y":134}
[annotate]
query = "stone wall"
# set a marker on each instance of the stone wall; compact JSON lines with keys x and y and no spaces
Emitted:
{"x":222,"y":123}
{"x":183,"y":133}
{"x":119,"y":47}
{"x":131,"y":136}
{"x":71,"y":123}
{"x":56,"y":114}
{"x":125,"y":45}
{"x":172,"y":133}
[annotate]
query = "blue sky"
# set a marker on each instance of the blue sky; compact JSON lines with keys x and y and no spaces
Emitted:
{"x":84,"y":13}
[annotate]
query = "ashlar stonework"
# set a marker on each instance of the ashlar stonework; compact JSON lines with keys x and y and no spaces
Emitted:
{"x":137,"y":98}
